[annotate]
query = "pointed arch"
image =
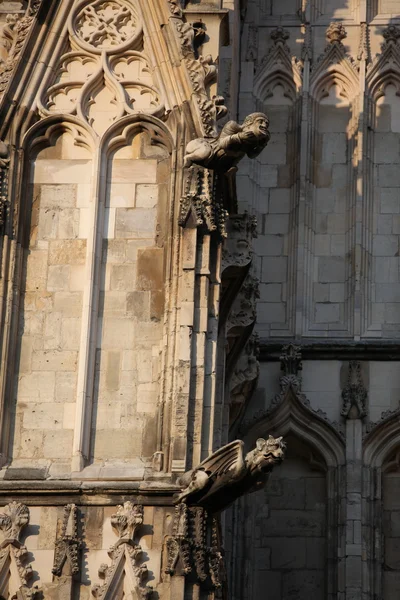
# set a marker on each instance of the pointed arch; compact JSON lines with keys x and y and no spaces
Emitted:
{"x":121,"y":133}
{"x":278,"y":69}
{"x":335,"y":68}
{"x":292,"y":414}
{"x":382,"y":440}
{"x":44,"y":133}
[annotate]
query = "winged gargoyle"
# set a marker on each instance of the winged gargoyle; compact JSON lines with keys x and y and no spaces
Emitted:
{"x":229,"y":473}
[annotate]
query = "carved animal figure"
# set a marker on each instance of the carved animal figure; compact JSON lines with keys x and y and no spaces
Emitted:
{"x":228,"y":474}
{"x":234,"y":142}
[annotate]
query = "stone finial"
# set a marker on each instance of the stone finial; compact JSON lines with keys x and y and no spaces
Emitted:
{"x":127,"y":519}
{"x":391,"y":34}
{"x":336,"y":33}
{"x":279,"y":36}
{"x":354,"y":393}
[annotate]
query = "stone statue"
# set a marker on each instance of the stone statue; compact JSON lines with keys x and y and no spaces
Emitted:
{"x":7,"y":36}
{"x":234,"y":142}
{"x":228,"y":474}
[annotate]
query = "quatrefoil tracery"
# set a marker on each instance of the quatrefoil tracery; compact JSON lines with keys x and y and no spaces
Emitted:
{"x":103,"y":73}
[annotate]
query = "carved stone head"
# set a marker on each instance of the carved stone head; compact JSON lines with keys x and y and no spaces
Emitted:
{"x":266,"y":454}
{"x":258,"y":124}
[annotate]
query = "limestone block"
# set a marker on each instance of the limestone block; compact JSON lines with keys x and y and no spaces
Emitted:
{"x":30,"y":444}
{"x":150,"y":269}
{"x":25,"y":358}
{"x":269,"y":176}
{"x":275,"y":312}
{"x":327,"y":312}
{"x":338,"y":245}
{"x":108,"y":416}
{"x":118,"y":334}
{"x":54,"y":360}
{"x":48,"y":415}
{"x":70,"y":333}
{"x":295,"y":523}
{"x":293,"y":495}
{"x":135,"y":222}
{"x":133,"y":171}
{"x":62,"y":171}
{"x":275,"y":152}
{"x":120,"y":195}
{"x":316,"y":553}
{"x":52,"y":331}
{"x":69,"y":416}
{"x":68,"y":303}
{"x":383,"y":224}
{"x":56,"y":197}
{"x":304,"y":584}
{"x":85,"y":223}
{"x":77,"y":278}
{"x":270,"y":292}
{"x":83,"y":195}
{"x":123,"y":277}
{"x":113,"y":365}
{"x":385,"y":245}
{"x":386,"y":148}
{"x":325,"y":200}
{"x":68,"y":224}
{"x":334,"y":148}
{"x":392,"y":312}
{"x":322,"y":245}
{"x":331,"y":269}
{"x":157,"y":304}
{"x":336,"y":223}
{"x":36,"y":271}
{"x":67,"y":252}
{"x":277,"y":224}
{"x":93,"y":516}
{"x":268,"y":580}
{"x":389,"y":175}
{"x":274,"y":270}
{"x":109,"y":223}
{"x":146,"y":196}
{"x":34,"y":324}
{"x":147,"y":398}
{"x":48,"y":224}
{"x":287,"y":553}
{"x":321,"y":292}
{"x":37,"y":386}
{"x":387,"y":292}
{"x":58,"y":278}
{"x":126,"y":444}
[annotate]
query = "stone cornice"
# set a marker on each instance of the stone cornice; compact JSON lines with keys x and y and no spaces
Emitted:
{"x":341,"y":350}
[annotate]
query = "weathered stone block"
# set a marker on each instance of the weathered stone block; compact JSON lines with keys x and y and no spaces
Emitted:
{"x":135,"y":222}
{"x":67,"y":252}
{"x":150,"y":269}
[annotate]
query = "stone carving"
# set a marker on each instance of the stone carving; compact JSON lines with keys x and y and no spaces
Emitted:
{"x":18,"y":32}
{"x":234,"y":142}
{"x":92,"y":79}
{"x":354,"y":394}
{"x":68,"y":544}
{"x":336,"y":33}
{"x":289,"y":380}
{"x":364,"y":45}
{"x":252,"y":44}
{"x":386,"y":66}
{"x":125,"y":555}
{"x":244,"y":379}
{"x":106,"y":24}
{"x":279,"y":66}
{"x":187,"y":549}
{"x":244,"y":309}
{"x":7,"y":36}
{"x":13,"y":554}
{"x":391,"y":34}
{"x":228,"y":474}
{"x":237,"y":251}
{"x":4,"y":164}
{"x":201,"y":69}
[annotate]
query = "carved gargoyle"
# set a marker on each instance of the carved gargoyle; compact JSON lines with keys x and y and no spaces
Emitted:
{"x":233,"y":143}
{"x":228,"y":474}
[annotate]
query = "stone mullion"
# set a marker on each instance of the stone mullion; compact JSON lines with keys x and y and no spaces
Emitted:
{"x":91,"y":292}
{"x":304,"y":168}
{"x":10,"y":295}
{"x":181,"y":357}
{"x":360,"y":224}
{"x":353,"y":550}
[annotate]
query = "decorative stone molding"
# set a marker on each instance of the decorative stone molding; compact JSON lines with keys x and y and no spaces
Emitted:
{"x":354,"y":394}
{"x":252,"y":44}
{"x":237,"y":251}
{"x":385,"y":68}
{"x":364,"y":52}
{"x":244,"y":379}
{"x":68,"y":544}
{"x":334,"y":65}
{"x":279,"y":67}
{"x":187,"y":550}
{"x":290,"y":399}
{"x":4,"y":206}
{"x":17,"y":33}
{"x":202,"y":70}
{"x":336,"y":33}
{"x":15,"y":573}
{"x":125,"y":554}
{"x":91,"y":65}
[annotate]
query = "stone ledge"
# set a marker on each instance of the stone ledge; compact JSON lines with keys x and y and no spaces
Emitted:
{"x":270,"y":351}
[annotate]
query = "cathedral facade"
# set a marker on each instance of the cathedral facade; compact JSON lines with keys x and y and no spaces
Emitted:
{"x":199,"y":256}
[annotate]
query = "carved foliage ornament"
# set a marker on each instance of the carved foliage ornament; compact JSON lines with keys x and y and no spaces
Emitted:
{"x":354,"y":394}
{"x":68,"y":544}
{"x":126,"y":557}
{"x":195,"y":546}
{"x":15,"y":573}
